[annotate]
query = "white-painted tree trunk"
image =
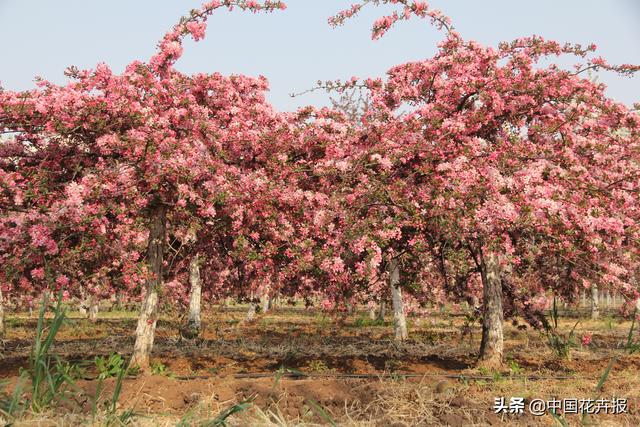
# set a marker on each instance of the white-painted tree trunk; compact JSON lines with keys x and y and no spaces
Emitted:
{"x":399,"y":319}
{"x":146,"y":330}
{"x":195,"y":295}
{"x":251,"y":313}
{"x":492,"y":345}
{"x":265,"y":302}
{"x":372,"y":313}
{"x":638,"y":306}
{"x":83,"y":308}
{"x":149,"y":311}
{"x":595,"y":306}
{"x":93,"y":309}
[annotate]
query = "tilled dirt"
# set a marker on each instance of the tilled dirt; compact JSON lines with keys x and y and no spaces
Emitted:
{"x":289,"y":363}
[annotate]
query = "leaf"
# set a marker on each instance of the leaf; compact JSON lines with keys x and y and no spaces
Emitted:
{"x":221,"y":419}
{"x":321,"y":412}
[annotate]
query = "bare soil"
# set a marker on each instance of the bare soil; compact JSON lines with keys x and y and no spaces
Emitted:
{"x":298,"y":367}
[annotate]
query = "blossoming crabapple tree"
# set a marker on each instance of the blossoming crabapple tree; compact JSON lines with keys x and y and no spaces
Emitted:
{"x":49,"y":239}
{"x":479,"y":164}
{"x":152,"y":135}
{"x":241,"y":245}
{"x":277,"y":217}
{"x":499,"y":149}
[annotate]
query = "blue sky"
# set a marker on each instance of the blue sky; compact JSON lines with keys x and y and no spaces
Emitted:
{"x":295,"y":48}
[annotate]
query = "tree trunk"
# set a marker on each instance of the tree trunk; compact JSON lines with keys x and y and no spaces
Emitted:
{"x":149,"y":311}
{"x":2,"y":329}
{"x":372,"y":313}
{"x":194,"y":321}
{"x":399,"y":319}
{"x":383,"y":311}
{"x":276,"y":301}
{"x":251,"y":313}
{"x":475,"y":302}
{"x":595,"y":306}
{"x":265,"y":302}
{"x":118,"y":303}
{"x":83,"y":307}
{"x":492,"y":345}
{"x":93,"y":309}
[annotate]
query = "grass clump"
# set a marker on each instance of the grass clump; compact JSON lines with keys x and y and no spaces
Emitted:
{"x":48,"y":383}
{"x":559,"y":342}
{"x":48,"y":380}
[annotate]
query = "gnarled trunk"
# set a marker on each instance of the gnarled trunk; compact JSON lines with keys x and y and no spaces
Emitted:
{"x":595,"y":306}
{"x":195,"y":295}
{"x":149,"y":311}
{"x":399,"y":319}
{"x":492,"y":345}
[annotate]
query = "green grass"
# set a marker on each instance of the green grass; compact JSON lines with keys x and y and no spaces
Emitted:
{"x":364,"y":321}
{"x":48,"y":379}
{"x":109,"y":366}
{"x":159,"y":368}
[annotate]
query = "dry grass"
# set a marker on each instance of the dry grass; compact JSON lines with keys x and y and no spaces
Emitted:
{"x":448,"y":390}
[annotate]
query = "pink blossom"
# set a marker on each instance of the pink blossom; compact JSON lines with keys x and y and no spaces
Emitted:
{"x":197,"y":29}
{"x":37,"y":273}
{"x":327,"y":304}
{"x":172,"y":48}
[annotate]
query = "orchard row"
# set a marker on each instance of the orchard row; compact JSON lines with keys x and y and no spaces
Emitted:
{"x":482,"y":174}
